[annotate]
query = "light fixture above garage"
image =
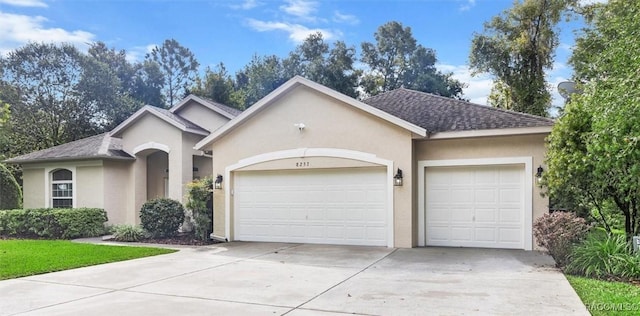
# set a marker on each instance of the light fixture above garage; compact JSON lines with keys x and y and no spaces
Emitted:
{"x":218,"y":183}
{"x":397,"y":179}
{"x":539,"y":173}
{"x":300,"y":126}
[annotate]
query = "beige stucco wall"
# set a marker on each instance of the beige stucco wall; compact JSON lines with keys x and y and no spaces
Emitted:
{"x":329,"y":124}
{"x":89,"y":186}
{"x":116,"y":190}
{"x":98,"y":183}
{"x":490,"y":147}
{"x":157,"y":165}
{"x":33,"y":185}
{"x":202,"y":116}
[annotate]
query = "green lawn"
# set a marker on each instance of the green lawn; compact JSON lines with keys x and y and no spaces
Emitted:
{"x":607,"y":298}
{"x":20,"y":258}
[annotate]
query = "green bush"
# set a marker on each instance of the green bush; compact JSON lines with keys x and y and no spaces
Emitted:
{"x":162,"y":217}
{"x":129,"y":233}
{"x":604,"y":256}
{"x":52,"y":223}
{"x":10,"y":194}
{"x":558,"y":232}
{"x":199,"y":201}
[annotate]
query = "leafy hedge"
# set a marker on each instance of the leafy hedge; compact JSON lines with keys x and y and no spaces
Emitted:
{"x":200,"y":202}
{"x":52,"y":223}
{"x":161,"y":217}
{"x":10,"y":194}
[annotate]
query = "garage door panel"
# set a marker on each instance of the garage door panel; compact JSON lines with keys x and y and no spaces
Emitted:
{"x":485,"y":216}
{"x":484,"y":196}
{"x":485,"y":234}
{"x":479,"y":206}
{"x":461,"y":215}
{"x":340,"y":206}
{"x":512,"y":215}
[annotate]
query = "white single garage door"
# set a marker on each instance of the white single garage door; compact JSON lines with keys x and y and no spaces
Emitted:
{"x":475,"y":206}
{"x":328,"y":206}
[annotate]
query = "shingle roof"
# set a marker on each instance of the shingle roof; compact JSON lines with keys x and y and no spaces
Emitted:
{"x":226,"y":108}
{"x":441,"y":114}
{"x":189,"y":126}
{"x":95,"y":147}
{"x":222,"y":109}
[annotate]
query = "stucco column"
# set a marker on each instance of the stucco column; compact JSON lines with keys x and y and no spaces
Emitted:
{"x":139,"y":194}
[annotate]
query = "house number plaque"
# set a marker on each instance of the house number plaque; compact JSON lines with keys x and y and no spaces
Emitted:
{"x":302,"y":164}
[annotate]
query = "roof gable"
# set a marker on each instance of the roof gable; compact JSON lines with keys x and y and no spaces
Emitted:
{"x":165,"y":115}
{"x":219,"y":108}
{"x":439,"y":114}
{"x":289,"y":86}
{"x":100,"y":146}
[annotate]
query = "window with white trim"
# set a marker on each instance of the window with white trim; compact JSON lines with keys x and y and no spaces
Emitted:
{"x":62,"y":189}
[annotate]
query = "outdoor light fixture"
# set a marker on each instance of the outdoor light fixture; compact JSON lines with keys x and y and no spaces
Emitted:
{"x":218,"y":183}
{"x":539,"y":173}
{"x":397,"y":179}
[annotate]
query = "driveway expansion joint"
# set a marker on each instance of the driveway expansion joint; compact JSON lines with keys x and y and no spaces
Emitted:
{"x":343,"y":281}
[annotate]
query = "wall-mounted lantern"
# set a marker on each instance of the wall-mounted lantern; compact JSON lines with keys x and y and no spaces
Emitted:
{"x":218,"y":183}
{"x":397,"y":179}
{"x":539,"y":173}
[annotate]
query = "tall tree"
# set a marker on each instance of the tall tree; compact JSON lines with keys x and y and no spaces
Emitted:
{"x":148,"y":81}
{"x":218,"y":86}
{"x":594,"y":149}
{"x":259,"y":77}
{"x":332,"y":67}
{"x":516,"y":47}
{"x":179,"y":67}
{"x":49,"y":109}
{"x":108,"y":83}
{"x":397,"y":60}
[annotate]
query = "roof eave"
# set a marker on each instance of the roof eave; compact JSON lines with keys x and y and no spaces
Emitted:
{"x":491,"y":132}
{"x":59,"y":159}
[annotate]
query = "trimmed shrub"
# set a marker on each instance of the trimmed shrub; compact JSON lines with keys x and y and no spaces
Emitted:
{"x":558,"y":232}
{"x":604,"y":257}
{"x":10,"y":193}
{"x":129,"y":233}
{"x":200,"y":202}
{"x":53,"y":223}
{"x":162,"y":217}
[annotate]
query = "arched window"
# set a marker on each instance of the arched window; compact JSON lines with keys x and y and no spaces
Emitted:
{"x":62,"y":189}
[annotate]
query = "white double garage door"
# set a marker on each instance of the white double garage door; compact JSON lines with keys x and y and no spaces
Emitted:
{"x":478,"y":206}
{"x":345,"y":206}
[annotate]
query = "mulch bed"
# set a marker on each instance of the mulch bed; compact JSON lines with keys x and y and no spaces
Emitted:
{"x":180,"y":239}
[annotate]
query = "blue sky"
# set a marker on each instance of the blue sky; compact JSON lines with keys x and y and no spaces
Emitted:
{"x":232,"y":31}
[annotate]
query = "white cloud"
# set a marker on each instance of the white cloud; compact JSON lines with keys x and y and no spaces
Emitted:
{"x":591,"y":2}
{"x":245,"y":5}
{"x":17,"y":30}
{"x":25,"y":3}
{"x":297,"y":33}
{"x":345,"y":18}
{"x":478,"y":87}
{"x":138,"y":53}
{"x":300,"y":8}
{"x":468,"y":5}
{"x":565,"y":47}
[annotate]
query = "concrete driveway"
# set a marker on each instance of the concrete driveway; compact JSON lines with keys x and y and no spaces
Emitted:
{"x":293,"y":279}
